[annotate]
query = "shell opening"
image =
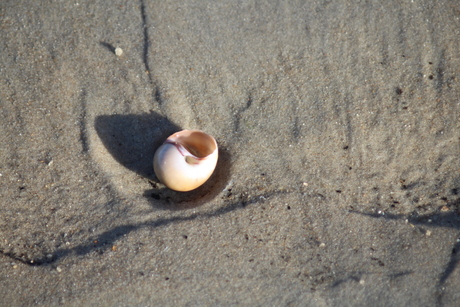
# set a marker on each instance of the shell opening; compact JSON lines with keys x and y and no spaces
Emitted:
{"x":198,"y":143}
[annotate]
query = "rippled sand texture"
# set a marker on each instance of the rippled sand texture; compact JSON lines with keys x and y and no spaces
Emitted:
{"x":339,"y":177}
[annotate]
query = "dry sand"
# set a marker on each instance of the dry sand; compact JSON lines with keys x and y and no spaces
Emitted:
{"x":339,"y":177}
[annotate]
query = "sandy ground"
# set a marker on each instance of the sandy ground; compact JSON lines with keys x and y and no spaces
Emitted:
{"x":338,"y":182}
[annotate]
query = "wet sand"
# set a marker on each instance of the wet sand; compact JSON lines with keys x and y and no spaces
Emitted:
{"x":338,"y":182}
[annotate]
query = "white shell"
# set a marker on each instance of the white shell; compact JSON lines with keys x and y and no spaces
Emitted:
{"x":186,"y":160}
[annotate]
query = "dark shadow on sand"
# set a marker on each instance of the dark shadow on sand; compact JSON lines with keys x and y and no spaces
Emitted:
{"x":109,"y":47}
{"x":132,"y":140}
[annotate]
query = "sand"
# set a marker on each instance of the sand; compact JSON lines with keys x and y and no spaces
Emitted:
{"x":339,"y":175}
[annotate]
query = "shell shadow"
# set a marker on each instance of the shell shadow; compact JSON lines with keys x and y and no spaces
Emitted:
{"x":132,"y":140}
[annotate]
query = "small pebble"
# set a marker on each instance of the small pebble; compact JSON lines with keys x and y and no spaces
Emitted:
{"x":428,"y":233}
{"x":118,"y":51}
{"x":59,"y":269}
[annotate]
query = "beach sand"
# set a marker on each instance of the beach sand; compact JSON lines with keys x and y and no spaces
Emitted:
{"x":338,"y":182}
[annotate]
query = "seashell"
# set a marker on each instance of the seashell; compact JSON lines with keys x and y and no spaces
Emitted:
{"x":186,"y":160}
